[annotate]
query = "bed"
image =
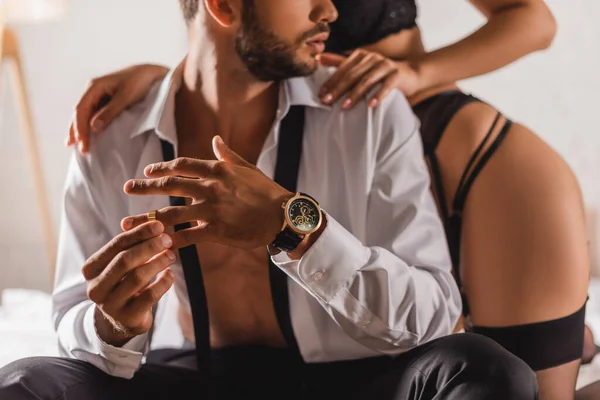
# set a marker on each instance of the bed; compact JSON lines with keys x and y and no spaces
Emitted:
{"x":26,"y":328}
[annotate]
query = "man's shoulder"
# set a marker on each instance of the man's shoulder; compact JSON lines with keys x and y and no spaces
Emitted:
{"x":395,"y":100}
{"x":121,"y":131}
{"x":393,"y":114}
{"x":118,"y":148}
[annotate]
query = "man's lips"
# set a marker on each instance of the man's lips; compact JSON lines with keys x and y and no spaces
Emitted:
{"x":317,"y":47}
{"x":321,"y":37}
{"x":317,"y":43}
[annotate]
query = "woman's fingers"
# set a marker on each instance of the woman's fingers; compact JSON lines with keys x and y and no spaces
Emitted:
{"x":98,"y":92}
{"x":71,"y":136}
{"x":107,"y":114}
{"x":329,"y":92}
{"x":331,"y":59}
{"x":390,"y":83}
{"x":356,"y":76}
{"x":372,"y":78}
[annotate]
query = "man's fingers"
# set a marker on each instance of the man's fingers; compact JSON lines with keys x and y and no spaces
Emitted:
{"x":169,"y":185}
{"x":224,"y":153}
{"x":171,"y":216}
{"x":125,"y":262}
{"x":140,"y":277}
{"x":150,"y":296}
{"x":203,"y":232}
{"x":98,"y":262}
{"x":185,"y":167}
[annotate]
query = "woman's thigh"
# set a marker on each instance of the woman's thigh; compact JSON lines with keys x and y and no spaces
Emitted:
{"x":524,"y":253}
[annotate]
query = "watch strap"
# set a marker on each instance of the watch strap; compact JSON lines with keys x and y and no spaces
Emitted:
{"x":287,"y":240}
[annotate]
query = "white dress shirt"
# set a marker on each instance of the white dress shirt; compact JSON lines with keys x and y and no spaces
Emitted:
{"x":377,"y":281}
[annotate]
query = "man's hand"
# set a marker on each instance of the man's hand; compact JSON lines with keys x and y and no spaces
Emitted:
{"x":233,"y":202}
{"x":120,"y":280}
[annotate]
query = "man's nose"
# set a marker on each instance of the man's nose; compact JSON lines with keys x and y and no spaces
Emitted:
{"x":324,"y":11}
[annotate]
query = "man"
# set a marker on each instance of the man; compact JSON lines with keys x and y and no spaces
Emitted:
{"x":366,"y":291}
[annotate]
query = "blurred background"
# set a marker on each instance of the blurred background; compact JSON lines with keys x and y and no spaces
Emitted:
{"x":553,"y":92}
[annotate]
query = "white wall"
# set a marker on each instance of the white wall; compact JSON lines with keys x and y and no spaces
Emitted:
{"x":555,"y":92}
{"x":60,"y":57}
{"x":551,"y":92}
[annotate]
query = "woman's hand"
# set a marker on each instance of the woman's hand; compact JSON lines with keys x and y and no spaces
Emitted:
{"x":361,"y":72}
{"x":106,"y":97}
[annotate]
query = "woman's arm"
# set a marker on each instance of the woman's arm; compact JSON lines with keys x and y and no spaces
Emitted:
{"x":514,"y":29}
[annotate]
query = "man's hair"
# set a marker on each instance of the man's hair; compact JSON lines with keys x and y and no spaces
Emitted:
{"x":189,"y":8}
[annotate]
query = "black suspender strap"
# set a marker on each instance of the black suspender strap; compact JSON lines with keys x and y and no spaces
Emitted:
{"x":195,"y":286}
{"x":289,"y":152}
{"x":286,"y":174}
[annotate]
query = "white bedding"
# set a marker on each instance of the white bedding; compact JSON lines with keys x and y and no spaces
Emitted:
{"x":26,"y":328}
{"x":25,"y":325}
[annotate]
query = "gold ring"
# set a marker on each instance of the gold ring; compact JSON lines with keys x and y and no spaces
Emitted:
{"x":152,"y":215}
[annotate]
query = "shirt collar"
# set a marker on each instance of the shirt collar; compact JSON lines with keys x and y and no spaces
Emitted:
{"x":160,"y":115}
{"x":303,"y":91}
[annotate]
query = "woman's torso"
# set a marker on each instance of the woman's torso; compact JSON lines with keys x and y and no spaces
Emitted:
{"x":387,"y":27}
{"x":361,"y":23}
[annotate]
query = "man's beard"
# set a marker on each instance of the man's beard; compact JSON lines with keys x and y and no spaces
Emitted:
{"x":267,"y":57}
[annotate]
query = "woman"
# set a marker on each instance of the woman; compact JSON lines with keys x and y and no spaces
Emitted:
{"x":511,"y":206}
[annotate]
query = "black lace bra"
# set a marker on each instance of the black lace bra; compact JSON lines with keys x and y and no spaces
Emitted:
{"x":363,"y":22}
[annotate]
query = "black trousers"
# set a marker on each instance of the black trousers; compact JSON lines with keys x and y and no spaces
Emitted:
{"x":462,"y":366}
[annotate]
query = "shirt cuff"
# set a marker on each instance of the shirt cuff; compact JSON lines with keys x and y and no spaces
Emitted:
{"x":329,"y":264}
{"x":121,"y":360}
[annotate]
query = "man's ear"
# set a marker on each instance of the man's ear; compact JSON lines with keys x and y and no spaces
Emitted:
{"x":224,"y":12}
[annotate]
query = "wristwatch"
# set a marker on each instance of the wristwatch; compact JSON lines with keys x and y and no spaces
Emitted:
{"x":301,"y":216}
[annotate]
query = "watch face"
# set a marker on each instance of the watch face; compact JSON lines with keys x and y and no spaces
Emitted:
{"x":304,"y":215}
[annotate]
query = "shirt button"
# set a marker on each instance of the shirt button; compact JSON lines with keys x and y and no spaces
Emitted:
{"x":317,"y":276}
{"x":393,"y":14}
